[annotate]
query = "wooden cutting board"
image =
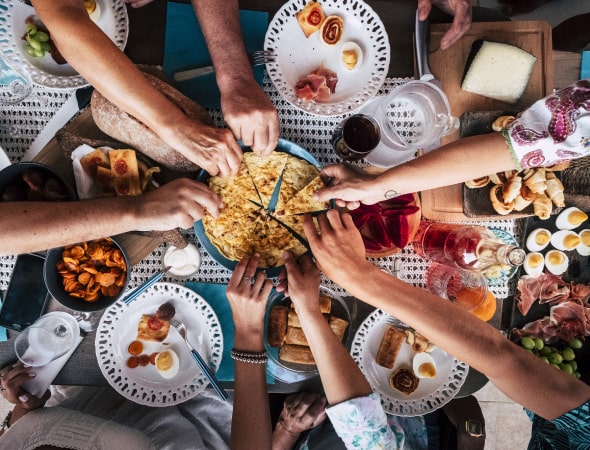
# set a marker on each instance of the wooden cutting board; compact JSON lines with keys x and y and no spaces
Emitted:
{"x":448,"y":66}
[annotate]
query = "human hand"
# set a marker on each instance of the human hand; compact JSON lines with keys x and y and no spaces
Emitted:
{"x":11,"y":381}
{"x":179,"y":203}
{"x":137,"y":3}
{"x":459,"y":9}
{"x":300,"y":280}
{"x":349,"y":186}
{"x":302,"y":411}
{"x":338,"y":247}
{"x":251,"y":116}
{"x":247,"y":292}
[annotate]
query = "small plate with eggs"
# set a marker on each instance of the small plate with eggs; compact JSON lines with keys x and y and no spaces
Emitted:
{"x":172,"y":376}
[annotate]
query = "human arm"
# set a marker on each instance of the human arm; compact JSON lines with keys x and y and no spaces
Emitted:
{"x":91,"y":52}
{"x":34,"y":226}
{"x":11,"y":380}
{"x":340,"y":254}
{"x":453,"y":163}
{"x":247,"y":110}
{"x":251,"y":424}
{"x":459,"y":9}
{"x":301,"y":411}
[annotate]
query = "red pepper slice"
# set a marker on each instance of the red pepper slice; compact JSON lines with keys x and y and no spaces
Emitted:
{"x":399,"y":230}
{"x":371,"y":244}
{"x":379,"y":232}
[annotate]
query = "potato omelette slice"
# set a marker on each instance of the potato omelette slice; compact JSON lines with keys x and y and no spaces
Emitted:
{"x":303,"y":201}
{"x":272,"y":240}
{"x":233,"y":234}
{"x":297,"y":174}
{"x":265,"y":172}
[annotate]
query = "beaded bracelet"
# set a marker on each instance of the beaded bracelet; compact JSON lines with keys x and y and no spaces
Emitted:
{"x":249,"y":357}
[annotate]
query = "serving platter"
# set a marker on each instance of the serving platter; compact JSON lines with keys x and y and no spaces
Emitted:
{"x":430,"y":395}
{"x":143,"y":385}
{"x":113,"y":21}
{"x":298,"y":56}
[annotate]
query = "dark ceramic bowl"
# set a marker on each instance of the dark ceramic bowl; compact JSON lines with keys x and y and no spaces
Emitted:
{"x":51,"y":185}
{"x":54,"y":283}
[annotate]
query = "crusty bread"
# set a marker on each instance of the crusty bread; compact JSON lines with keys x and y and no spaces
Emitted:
{"x":277,"y":325}
{"x":298,"y":354}
{"x":389,"y":348}
{"x":126,"y":128}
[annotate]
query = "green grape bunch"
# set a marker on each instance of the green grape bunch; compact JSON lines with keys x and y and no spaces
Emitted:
{"x":37,"y":41}
{"x":562,"y":357}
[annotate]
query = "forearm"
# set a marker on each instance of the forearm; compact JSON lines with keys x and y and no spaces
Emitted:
{"x":221,"y":28}
{"x":520,"y":375}
{"x":453,"y":163}
{"x":33,"y":226}
{"x":91,"y":52}
{"x":341,"y":377}
{"x":282,"y":439}
{"x":251,"y":424}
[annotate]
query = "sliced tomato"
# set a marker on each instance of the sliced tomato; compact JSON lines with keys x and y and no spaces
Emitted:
{"x":315,"y":17}
{"x":154,"y":324}
{"x":121,"y":168}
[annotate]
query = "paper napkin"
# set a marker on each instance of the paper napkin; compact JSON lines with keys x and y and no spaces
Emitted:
{"x":185,"y":48}
{"x":214,"y":294}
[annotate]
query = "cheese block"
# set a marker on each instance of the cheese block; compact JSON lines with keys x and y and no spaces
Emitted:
{"x":499,"y":71}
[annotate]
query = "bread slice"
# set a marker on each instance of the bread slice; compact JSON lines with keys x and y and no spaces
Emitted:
{"x":295,"y":336}
{"x":338,"y":326}
{"x":298,"y":354}
{"x":277,"y":326}
{"x":390,"y":346}
{"x":150,"y":328}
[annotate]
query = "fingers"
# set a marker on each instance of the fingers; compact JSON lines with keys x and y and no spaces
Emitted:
{"x":461,"y":24}
{"x":424,"y":7}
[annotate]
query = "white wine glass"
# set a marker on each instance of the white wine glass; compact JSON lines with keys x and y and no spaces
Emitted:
{"x":49,"y":338}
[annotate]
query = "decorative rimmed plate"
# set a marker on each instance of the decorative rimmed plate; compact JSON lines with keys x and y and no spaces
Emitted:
{"x":430,"y":395}
{"x":113,"y":20}
{"x":143,"y":385}
{"x":291,"y":372}
{"x":505,"y":274}
{"x":283,"y":146}
{"x":4,"y":160}
{"x":298,"y":56}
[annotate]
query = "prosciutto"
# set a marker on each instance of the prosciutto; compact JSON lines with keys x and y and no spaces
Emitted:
{"x":317,"y":86}
{"x":547,"y":288}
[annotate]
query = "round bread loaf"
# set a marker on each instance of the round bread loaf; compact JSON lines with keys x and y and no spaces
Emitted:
{"x":125,"y":128}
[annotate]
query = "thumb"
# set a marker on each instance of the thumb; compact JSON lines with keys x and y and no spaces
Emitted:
{"x":325,"y":194}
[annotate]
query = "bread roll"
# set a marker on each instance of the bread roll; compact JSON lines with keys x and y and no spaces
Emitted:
{"x":277,"y":326}
{"x":390,"y":346}
{"x":298,"y":354}
{"x":126,"y":128}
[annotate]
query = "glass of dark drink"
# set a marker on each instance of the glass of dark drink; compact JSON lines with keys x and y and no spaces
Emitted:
{"x":355,"y":137}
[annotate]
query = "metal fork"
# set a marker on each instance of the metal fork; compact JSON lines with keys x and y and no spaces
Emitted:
{"x":181,"y":328}
{"x":257,"y":58}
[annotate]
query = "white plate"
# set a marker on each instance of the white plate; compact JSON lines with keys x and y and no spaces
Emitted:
{"x":143,"y":385}
{"x":297,"y":55}
{"x":4,"y":160}
{"x":45,"y":71}
{"x":430,"y":395}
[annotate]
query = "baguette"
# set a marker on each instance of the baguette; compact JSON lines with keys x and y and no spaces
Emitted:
{"x":390,"y":346}
{"x":298,"y":354}
{"x":126,"y":128}
{"x":277,"y":326}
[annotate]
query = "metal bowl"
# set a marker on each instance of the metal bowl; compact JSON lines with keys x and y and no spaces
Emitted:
{"x":53,"y":281}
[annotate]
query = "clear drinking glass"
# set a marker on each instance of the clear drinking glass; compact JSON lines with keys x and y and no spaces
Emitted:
{"x":50,"y":337}
{"x":15,"y":83}
{"x":355,"y":137}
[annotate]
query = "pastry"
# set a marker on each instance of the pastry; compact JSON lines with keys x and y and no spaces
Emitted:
{"x":332,"y":30}
{"x":511,"y":188}
{"x":404,"y":381}
{"x":310,"y":18}
{"x":502,"y":122}
{"x":555,"y":189}
{"x":298,"y":354}
{"x":497,"y":200}
{"x":542,"y":206}
{"x":478,"y":182}
{"x":277,"y":326}
{"x":390,"y":346}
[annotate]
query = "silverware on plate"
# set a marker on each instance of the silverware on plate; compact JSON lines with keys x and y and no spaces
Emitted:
{"x":257,"y":58}
{"x":134,"y":293}
{"x":181,"y":328}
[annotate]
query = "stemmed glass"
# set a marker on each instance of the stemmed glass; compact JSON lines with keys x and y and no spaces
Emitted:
{"x":50,"y":337}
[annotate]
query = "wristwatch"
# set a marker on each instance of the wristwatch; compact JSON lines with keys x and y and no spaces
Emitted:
{"x":474,"y":428}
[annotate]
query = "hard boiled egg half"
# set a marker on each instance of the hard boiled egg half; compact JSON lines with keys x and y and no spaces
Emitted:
{"x":424,"y":366}
{"x":565,"y":240}
{"x":556,"y":262}
{"x":570,"y":218}
{"x":167,"y":364}
{"x":534,"y":264}
{"x":583,"y":247}
{"x":538,"y":239}
{"x":351,"y":56}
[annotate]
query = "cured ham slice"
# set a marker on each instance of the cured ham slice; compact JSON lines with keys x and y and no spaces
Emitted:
{"x":547,"y":288}
{"x":317,"y":86}
{"x":566,"y":321}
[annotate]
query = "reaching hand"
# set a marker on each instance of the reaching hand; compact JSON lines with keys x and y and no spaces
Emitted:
{"x":251,"y":116}
{"x":459,"y":9}
{"x":302,"y":411}
{"x":179,"y":203}
{"x":349,"y":186}
{"x":11,"y":381}
{"x":338,"y":248}
{"x":247,"y":292}
{"x":301,"y":282}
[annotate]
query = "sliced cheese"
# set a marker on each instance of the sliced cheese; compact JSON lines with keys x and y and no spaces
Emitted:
{"x":499,"y":71}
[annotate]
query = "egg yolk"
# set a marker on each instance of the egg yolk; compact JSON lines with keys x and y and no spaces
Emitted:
{"x":164,"y":361}
{"x":576,"y":217}
{"x":542,"y":238}
{"x":585,"y":238}
{"x":555,"y":258}
{"x":349,"y":58}
{"x":571,"y":241}
{"x":535,"y":260}
{"x":427,"y":370}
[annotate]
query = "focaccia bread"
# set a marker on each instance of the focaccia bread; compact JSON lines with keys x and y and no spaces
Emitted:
{"x":126,"y":128}
{"x":151,"y":328}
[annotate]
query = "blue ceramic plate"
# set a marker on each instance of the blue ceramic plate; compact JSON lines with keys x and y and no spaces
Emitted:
{"x":203,"y":176}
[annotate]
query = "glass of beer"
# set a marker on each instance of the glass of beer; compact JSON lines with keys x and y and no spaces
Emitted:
{"x":355,"y":137}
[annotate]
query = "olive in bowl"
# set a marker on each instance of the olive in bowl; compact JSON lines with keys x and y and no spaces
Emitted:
{"x":87,"y":276}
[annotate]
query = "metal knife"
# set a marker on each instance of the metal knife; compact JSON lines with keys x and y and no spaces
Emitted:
{"x":189,"y":74}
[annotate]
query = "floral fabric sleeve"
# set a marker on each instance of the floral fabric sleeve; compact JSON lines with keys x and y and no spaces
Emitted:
{"x":553,"y":129}
{"x":569,"y":431}
{"x":362,"y":423}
